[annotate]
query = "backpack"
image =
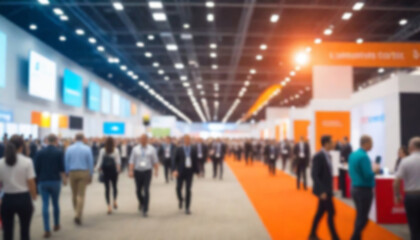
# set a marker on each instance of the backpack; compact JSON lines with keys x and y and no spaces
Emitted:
{"x":108,"y":163}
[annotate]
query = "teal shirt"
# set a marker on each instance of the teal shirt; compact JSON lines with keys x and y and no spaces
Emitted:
{"x":360,"y":169}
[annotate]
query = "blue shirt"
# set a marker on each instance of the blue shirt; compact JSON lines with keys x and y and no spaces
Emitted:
{"x":79,"y":157}
{"x":360,"y":169}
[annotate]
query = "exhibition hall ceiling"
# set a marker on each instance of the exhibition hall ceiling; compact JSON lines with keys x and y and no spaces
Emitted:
{"x":210,"y":59}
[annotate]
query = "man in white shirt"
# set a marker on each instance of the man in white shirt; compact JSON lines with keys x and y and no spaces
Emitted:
{"x":142,"y":160}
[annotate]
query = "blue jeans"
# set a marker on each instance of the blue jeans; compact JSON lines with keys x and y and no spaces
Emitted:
{"x":49,"y":189}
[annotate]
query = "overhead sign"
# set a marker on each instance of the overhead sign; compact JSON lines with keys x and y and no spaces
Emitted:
{"x":367,"y":54}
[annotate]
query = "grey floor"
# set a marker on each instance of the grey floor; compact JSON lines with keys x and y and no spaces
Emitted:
{"x":221,"y":210}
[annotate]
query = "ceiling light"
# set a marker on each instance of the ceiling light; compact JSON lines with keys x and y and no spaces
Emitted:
{"x":135,"y":77}
{"x":179,"y":66}
{"x":184,"y":78}
{"x":381,"y":70}
{"x":274,"y":18}
{"x":64,"y":18}
{"x":186,"y":26}
{"x":347,"y":15}
{"x":161,"y":72}
{"x":159,"y":16}
{"x":359,"y":40}
{"x":283,"y":83}
{"x":213,"y":55}
{"x":297,"y":68}
{"x":155,"y":5}
{"x":210,"y":4}
{"x":328,"y":31}
{"x":403,"y":22}
{"x":186,"y":84}
{"x":155,"y":64}
{"x":33,"y":27}
{"x":318,"y":41}
{"x":199,"y":86}
{"x":186,"y":36}
{"x":130,"y":73}
{"x":140,"y":44}
{"x":308,"y":49}
{"x":148,"y":54}
{"x":151,"y":37}
{"x":259,"y":57}
{"x":263,"y":47}
{"x":80,"y":31}
{"x":292,"y":73}
{"x":358,"y":6}
{"x":302,"y":58}
{"x":92,"y":40}
{"x":58,"y":11}
{"x":246,"y":83}
{"x":166,"y":78}
{"x":123,"y":67}
{"x":210,"y":17}
{"x":44,"y":2}
{"x":287,"y":79}
{"x":101,"y":48}
{"x":171,"y":47}
{"x":213,"y":45}
{"x":62,"y":38}
{"x":253,"y":71}
{"x":118,"y":6}
{"x":214,"y":66}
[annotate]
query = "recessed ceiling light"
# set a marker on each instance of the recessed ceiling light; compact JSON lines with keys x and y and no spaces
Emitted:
{"x":346,"y":15}
{"x":359,"y":40}
{"x":213,"y":45}
{"x":184,"y":78}
{"x":403,"y":22}
{"x":118,"y":6}
{"x":161,"y":72}
{"x":259,"y":57}
{"x":381,"y":70}
{"x":159,"y":16}
{"x":58,"y":11}
{"x":263,"y":47}
{"x":166,"y":78}
{"x":33,"y":27}
{"x":186,"y":26}
{"x":155,"y":5}
{"x":151,"y":37}
{"x":274,"y":18}
{"x":292,"y":73}
{"x":64,"y":18}
{"x":253,"y":71}
{"x":148,"y":54}
{"x":101,"y":48}
{"x":287,"y":79}
{"x":92,"y":40}
{"x":130,"y":73}
{"x":123,"y":67}
{"x":155,"y":64}
{"x":210,"y":4}
{"x":186,"y":84}
{"x":62,"y":38}
{"x":213,"y":55}
{"x":328,"y":31}
{"x":214,"y":66}
{"x":199,"y":86}
{"x":140,"y":44}
{"x":358,"y":6}
{"x":210,"y":17}
{"x":179,"y":66}
{"x":171,"y":47}
{"x":135,"y":77}
{"x":318,"y":40}
{"x":44,"y":2}
{"x":186,"y":36}
{"x":246,"y":83}
{"x":80,"y":31}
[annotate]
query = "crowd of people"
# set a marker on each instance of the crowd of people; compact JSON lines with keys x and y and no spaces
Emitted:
{"x":29,"y":168}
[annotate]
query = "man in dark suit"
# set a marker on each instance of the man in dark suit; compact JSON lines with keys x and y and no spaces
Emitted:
{"x":285,"y":152}
{"x":218,"y":156}
{"x":248,"y":152}
{"x":202,"y":154}
{"x":323,"y":187}
{"x":345,"y":150}
{"x":166,"y":155}
{"x":271,"y":153}
{"x":184,"y":167}
{"x":302,"y":154}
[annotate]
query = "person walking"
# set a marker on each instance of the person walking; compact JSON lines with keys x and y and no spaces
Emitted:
{"x":79,"y":168}
{"x":285,"y":151}
{"x":271,"y":153}
{"x":302,"y":154}
{"x":49,"y":168}
{"x":202,"y":154}
{"x":109,"y":166}
{"x":185,"y":165}
{"x":322,"y":177}
{"x":362,"y":176}
{"x":248,"y":152}
{"x":142,"y":160}
{"x":17,"y":175}
{"x":409,"y":173}
{"x":166,"y":154}
{"x":218,"y":156}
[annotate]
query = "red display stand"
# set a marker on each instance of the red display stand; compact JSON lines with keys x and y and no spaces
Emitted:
{"x":387,"y":212}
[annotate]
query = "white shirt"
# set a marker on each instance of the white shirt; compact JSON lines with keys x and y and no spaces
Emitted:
{"x":124,"y":152}
{"x":409,"y":171}
{"x":301,"y":149}
{"x":143,"y":158}
{"x":15,"y":178}
{"x":102,"y":153}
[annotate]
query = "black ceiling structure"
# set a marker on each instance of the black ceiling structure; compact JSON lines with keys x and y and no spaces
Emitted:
{"x":212,"y":60}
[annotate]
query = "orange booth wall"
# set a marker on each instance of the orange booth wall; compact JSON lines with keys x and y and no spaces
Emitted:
{"x":300,"y":128}
{"x":336,"y":124}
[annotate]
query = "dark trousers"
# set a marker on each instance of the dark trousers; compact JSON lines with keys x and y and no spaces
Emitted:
{"x":363,"y":200}
{"x":248,"y":158}
{"x":110,"y":179}
{"x":167,"y":169}
{"x":218,"y":164}
{"x":124,"y":163}
{"x":412,"y":209}
{"x":19,"y":204}
{"x":50,"y":189}
{"x":272,"y":166}
{"x":301,"y":172}
{"x":142,"y":180}
{"x":185,"y":176}
{"x":284,"y":161}
{"x":201,"y":162}
{"x":326,"y":205}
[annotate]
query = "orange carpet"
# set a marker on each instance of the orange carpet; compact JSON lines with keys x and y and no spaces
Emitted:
{"x":287,"y":213}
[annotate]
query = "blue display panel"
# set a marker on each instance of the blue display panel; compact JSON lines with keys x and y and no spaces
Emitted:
{"x":6,"y":116}
{"x":124,"y":107}
{"x":106,"y":101}
{"x":72,"y":89}
{"x":94,"y":96}
{"x":42,"y":77}
{"x":114,"y":128}
{"x":116,"y":104}
{"x":3,"y":43}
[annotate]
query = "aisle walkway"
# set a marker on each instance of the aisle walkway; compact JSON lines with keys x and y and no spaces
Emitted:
{"x":288,"y":213}
{"x":220,"y":210}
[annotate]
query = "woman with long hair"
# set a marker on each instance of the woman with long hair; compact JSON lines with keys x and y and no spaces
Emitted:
{"x":18,"y":178}
{"x":109,"y":165}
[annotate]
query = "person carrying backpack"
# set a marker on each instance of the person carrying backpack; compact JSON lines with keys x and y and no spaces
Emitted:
{"x":109,"y":166}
